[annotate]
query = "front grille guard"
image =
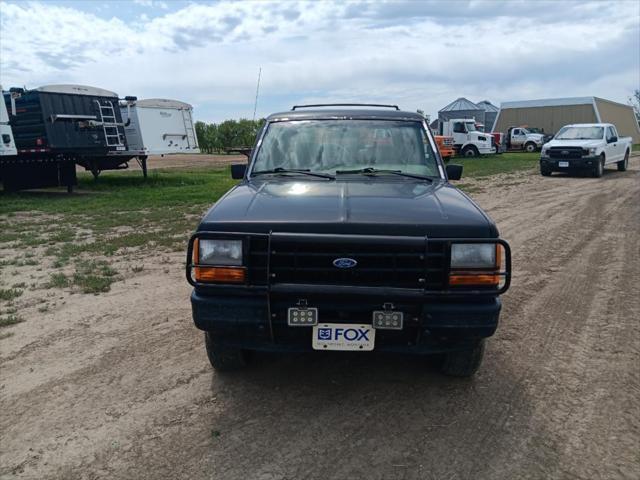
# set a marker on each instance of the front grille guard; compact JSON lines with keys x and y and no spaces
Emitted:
{"x":270,"y":286}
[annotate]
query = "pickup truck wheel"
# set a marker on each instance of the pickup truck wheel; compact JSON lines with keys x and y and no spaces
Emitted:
{"x":223,"y":358}
{"x":598,"y":169}
{"x":623,"y":164}
{"x":470,"y":151}
{"x":545,"y":172}
{"x":530,"y":147}
{"x":463,"y":363}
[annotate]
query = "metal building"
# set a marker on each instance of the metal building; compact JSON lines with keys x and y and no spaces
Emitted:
{"x":462,"y":108}
{"x":552,"y":114}
{"x":490,"y":114}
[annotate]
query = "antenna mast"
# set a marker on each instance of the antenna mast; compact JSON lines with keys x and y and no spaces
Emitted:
{"x":255,"y":105}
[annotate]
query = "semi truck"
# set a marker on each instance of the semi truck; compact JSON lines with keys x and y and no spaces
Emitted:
{"x":468,"y":141}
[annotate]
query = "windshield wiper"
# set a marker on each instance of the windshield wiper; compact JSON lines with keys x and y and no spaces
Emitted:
{"x":294,"y":170}
{"x":374,"y":171}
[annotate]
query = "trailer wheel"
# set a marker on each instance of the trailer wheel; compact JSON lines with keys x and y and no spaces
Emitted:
{"x":623,"y":164}
{"x":470,"y":151}
{"x":530,"y":147}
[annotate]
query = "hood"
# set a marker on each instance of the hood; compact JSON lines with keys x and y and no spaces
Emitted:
{"x":535,"y":136}
{"x":574,"y":143}
{"x":364,"y":206}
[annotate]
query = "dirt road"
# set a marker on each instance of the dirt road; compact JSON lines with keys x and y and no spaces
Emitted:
{"x":118,"y":386}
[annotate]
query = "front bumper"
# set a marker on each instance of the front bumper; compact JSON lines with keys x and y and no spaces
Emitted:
{"x":573,"y":163}
{"x":258,"y":321}
{"x":487,"y":150}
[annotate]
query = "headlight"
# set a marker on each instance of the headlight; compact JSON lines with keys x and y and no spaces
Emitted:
{"x":592,"y":151}
{"x":219,"y":252}
{"x":473,"y":255}
{"x":544,"y":151}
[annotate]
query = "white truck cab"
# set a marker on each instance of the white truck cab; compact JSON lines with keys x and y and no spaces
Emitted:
{"x":467,"y":139}
{"x":588,"y":146}
{"x":7,"y":142}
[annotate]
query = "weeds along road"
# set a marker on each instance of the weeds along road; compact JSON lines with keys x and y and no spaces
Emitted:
{"x":118,"y":386}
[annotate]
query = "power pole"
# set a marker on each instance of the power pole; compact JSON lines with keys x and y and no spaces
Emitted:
{"x":255,"y":105}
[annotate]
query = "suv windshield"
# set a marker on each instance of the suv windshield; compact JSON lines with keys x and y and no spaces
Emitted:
{"x":324,"y":146}
{"x":580,"y":133}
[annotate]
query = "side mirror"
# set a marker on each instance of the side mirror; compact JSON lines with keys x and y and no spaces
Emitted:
{"x":612,"y":140}
{"x":454,"y":172}
{"x":238,"y":170}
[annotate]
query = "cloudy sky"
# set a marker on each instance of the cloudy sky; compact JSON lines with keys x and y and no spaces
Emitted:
{"x":418,"y":54}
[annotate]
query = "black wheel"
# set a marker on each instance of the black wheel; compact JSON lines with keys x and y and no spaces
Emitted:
{"x":463,"y":363}
{"x":530,"y":147}
{"x":545,"y":172}
{"x":223,"y":358}
{"x":470,"y":151}
{"x":624,"y":164}
{"x":598,"y":169}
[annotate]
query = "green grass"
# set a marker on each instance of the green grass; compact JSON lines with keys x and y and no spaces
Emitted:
{"x":635,"y":147}
{"x":117,"y":198}
{"x":10,"y":320}
{"x":495,"y":164}
{"x":94,"y":277}
{"x":57,"y":280}
{"x":9,"y":293}
{"x":158,"y":212}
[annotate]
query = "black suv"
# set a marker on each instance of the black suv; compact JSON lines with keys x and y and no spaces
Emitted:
{"x":345,"y":234}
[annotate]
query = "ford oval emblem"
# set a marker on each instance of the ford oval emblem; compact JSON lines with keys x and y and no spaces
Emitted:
{"x":344,"y":263}
{"x":565,"y":152}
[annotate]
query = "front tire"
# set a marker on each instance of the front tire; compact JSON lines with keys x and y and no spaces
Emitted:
{"x":598,"y":170}
{"x":545,"y":172}
{"x":224,"y":358}
{"x":463,"y":363}
{"x":530,"y":147}
{"x":470,"y":151}
{"x":624,"y":164}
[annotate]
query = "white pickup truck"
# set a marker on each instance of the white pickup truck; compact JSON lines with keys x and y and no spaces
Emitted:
{"x":586,"y":146}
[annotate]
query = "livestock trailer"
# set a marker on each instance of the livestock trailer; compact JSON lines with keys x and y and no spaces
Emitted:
{"x":158,"y":126}
{"x":58,"y":126}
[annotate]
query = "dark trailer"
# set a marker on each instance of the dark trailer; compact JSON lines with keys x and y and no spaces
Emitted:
{"x":58,"y":126}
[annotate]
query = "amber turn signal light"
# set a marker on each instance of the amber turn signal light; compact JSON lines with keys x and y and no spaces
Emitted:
{"x":219,"y":274}
{"x":473,"y":279}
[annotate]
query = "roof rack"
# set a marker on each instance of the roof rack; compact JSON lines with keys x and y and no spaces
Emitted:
{"x":378,"y":105}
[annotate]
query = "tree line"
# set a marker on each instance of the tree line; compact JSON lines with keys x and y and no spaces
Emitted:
{"x":219,"y":137}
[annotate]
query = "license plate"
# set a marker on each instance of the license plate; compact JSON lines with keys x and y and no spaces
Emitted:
{"x":302,"y":317}
{"x":343,"y":336}
{"x":563,"y":164}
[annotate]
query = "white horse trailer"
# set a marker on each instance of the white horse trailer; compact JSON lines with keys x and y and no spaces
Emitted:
{"x":158,"y":126}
